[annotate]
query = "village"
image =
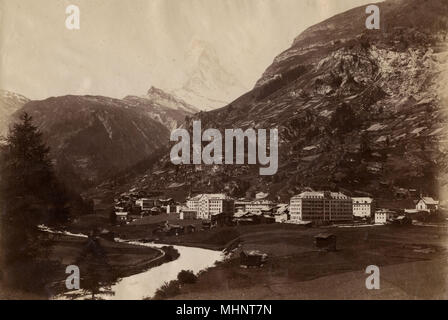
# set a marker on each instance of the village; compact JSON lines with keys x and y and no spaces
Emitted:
{"x":308,"y":209}
{"x":319,"y":237}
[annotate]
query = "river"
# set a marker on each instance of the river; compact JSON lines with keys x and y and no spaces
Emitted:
{"x":145,"y":284}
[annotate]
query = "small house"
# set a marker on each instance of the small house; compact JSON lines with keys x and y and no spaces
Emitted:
{"x":247,"y":219}
{"x":188,"y":214}
{"x":166,"y":202}
{"x":325,"y":241}
{"x":122,"y":216}
{"x":147,"y":203}
{"x":427,"y":204}
{"x":252,"y":259}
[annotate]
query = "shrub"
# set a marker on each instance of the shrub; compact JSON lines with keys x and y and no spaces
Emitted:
{"x":186,"y":277}
{"x":168,"y":290}
{"x":171,"y":254}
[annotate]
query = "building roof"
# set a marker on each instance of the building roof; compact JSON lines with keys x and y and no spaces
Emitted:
{"x":321,"y":195}
{"x":430,"y":201}
{"x":262,"y":201}
{"x":365,"y":200}
{"x":240,"y":213}
{"x":214,"y":196}
{"x":282,"y":208}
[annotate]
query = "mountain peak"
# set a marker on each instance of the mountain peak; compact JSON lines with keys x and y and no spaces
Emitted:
{"x":209,"y":84}
{"x":5,"y":94}
{"x":160,"y":97}
{"x":156,"y":91}
{"x":356,"y":109}
{"x":10,"y":102}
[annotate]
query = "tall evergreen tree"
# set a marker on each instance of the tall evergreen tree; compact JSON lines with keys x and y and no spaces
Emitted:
{"x":30,"y":195}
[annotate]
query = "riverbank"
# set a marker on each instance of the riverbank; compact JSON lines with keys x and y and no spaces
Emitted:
{"x":296,"y":269}
{"x":118,"y":260}
{"x":144,"y":285}
{"x":411,"y":261}
{"x":101,"y":262}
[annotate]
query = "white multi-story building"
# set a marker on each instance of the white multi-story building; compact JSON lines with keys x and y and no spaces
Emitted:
{"x":193,"y":203}
{"x":363,"y":207}
{"x":208,"y":205}
{"x":383,"y":216}
{"x":320,"y":206}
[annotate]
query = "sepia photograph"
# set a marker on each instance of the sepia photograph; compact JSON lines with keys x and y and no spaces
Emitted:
{"x":223,"y":150}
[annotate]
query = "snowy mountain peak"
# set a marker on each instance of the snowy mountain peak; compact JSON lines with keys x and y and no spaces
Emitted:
{"x":209,"y":85}
{"x":12,"y":97}
{"x":10,"y":102}
{"x":160,"y":97}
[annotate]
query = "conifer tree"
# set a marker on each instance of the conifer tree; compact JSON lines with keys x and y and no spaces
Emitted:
{"x":29,"y":195}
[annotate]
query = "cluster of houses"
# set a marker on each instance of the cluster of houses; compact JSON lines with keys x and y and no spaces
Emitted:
{"x":309,"y":207}
{"x":306,"y":208}
{"x":136,"y":203}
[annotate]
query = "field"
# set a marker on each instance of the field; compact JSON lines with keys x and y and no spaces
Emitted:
{"x":412,"y":262}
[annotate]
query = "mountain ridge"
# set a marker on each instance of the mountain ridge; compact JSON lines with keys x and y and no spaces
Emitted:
{"x":163,"y":107}
{"x":10,"y":102}
{"x":93,"y":137}
{"x":358,"y":110}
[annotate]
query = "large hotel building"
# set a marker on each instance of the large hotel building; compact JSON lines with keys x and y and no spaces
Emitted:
{"x":207,"y":205}
{"x":320,"y":207}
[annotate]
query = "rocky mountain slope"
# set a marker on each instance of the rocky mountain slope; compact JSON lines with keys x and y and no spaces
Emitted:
{"x":162,"y":107}
{"x":358,"y":110}
{"x":93,"y":137}
{"x":10,"y":102}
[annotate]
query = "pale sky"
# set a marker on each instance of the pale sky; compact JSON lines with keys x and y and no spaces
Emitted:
{"x":125,"y":46}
